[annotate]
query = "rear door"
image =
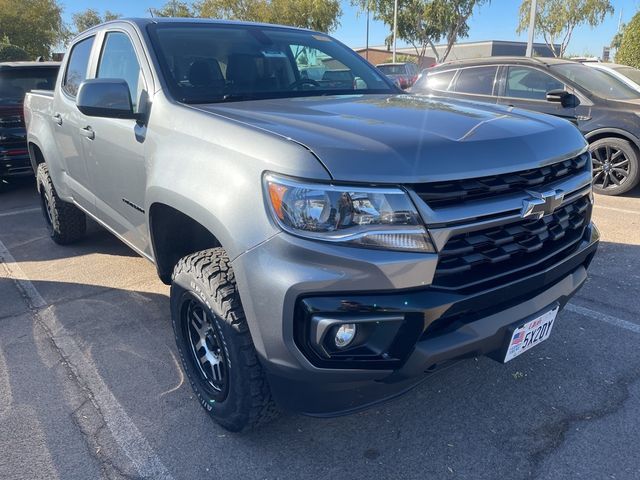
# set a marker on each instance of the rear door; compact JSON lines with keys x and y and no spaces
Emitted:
{"x":476,"y":83}
{"x":68,"y":123}
{"x":526,"y":87}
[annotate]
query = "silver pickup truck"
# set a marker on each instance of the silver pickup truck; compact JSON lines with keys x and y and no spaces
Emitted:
{"x":329,"y":240}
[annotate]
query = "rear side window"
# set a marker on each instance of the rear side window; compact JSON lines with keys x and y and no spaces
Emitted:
{"x":77,"y":66}
{"x":439,"y":81}
{"x":119,"y":60}
{"x":530,"y":83}
{"x":476,"y":80}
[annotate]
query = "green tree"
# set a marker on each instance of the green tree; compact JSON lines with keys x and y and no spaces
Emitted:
{"x":33,"y":25}
{"x":629,"y":51}
{"x":616,"y":41}
{"x":557,"y":19}
{"x":174,"y":8}
{"x":321,"y":15}
{"x":11,"y":53}
{"x":423,"y":23}
{"x":90,"y":18}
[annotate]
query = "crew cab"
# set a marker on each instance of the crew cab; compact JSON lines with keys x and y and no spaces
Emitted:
{"x":328,"y":244}
{"x":16,"y":79}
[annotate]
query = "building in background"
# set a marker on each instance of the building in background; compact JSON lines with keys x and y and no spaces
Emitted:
{"x":460,"y":51}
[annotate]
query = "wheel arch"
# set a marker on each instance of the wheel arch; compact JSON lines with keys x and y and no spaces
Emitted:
{"x":601,"y":133}
{"x":174,"y":235}
{"x":36,"y":157}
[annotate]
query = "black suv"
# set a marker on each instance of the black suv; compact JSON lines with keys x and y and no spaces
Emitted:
{"x":16,"y":79}
{"x":605,"y":110}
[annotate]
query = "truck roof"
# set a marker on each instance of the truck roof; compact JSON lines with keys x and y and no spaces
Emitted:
{"x":142,"y":22}
{"x":4,"y":65}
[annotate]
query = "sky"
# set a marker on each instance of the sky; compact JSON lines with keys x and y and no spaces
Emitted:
{"x":496,"y":21}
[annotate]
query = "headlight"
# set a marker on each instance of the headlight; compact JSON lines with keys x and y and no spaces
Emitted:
{"x":368,"y":217}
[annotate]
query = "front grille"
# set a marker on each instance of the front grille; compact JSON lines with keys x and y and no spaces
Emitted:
{"x":440,"y":194}
{"x":483,"y":257}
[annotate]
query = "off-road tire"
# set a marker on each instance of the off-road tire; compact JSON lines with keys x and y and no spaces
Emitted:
{"x":628,"y":152}
{"x":208,"y":277}
{"x":65,"y":222}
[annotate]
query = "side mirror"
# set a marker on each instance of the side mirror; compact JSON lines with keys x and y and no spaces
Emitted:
{"x":105,"y":97}
{"x":562,"y":97}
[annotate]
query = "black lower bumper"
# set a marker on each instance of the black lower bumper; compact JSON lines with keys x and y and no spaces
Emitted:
{"x":452,"y":327}
{"x":15,"y":165}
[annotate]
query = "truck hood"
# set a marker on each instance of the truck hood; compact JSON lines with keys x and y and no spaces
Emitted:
{"x":410,"y":139}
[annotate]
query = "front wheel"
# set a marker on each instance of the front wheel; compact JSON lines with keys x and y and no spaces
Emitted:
{"x":215,"y":344}
{"x":615,"y":166}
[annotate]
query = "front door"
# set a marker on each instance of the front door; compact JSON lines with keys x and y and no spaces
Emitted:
{"x":527,"y":87}
{"x":116,"y":150}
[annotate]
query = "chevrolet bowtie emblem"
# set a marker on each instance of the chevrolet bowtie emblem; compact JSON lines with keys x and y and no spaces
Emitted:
{"x":541,"y":203}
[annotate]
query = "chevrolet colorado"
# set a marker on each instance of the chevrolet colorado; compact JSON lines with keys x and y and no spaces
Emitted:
{"x":328,"y":244}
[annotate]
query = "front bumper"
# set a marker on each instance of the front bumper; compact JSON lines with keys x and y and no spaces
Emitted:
{"x":309,"y":278}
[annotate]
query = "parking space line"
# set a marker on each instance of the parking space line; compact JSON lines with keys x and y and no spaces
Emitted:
{"x":603,"y":317}
{"x":20,"y":212}
{"x":616,"y":209}
{"x":122,"y":428}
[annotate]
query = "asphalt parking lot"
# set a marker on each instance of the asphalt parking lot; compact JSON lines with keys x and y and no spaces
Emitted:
{"x":90,"y":386}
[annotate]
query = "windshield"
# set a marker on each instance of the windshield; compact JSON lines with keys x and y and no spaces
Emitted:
{"x":392,"y":69}
{"x":629,"y":72}
{"x":596,"y":82}
{"x":15,"y":82}
{"x":210,"y":63}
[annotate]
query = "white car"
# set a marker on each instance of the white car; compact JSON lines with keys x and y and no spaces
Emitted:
{"x":628,"y":75}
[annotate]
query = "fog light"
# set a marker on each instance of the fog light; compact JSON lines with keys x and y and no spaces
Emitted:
{"x":345,"y":335}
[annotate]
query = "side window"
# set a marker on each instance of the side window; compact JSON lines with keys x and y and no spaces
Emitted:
{"x":476,"y":80}
{"x":77,"y":66}
{"x":119,"y":60}
{"x":440,"y":81}
{"x":530,"y":83}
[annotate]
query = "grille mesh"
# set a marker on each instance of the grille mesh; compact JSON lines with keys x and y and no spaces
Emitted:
{"x":473,"y":258}
{"x":443,"y":193}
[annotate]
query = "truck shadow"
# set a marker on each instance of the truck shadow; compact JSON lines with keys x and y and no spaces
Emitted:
{"x":476,"y":409}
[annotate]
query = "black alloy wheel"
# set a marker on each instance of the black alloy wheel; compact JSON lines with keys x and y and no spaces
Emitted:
{"x":206,"y":348}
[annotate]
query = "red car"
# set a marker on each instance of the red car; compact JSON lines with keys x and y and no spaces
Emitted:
{"x":405,"y":74}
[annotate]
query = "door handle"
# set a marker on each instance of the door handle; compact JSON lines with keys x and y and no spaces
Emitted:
{"x":88,"y":132}
{"x":57,"y":118}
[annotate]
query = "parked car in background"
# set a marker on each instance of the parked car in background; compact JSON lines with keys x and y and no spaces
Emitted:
{"x":340,"y":78}
{"x":624,"y":73}
{"x":16,"y":79}
{"x":405,"y":73}
{"x":327,"y":246}
{"x":606,"y":110}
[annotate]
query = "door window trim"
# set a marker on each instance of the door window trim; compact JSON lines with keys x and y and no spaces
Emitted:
{"x":567,"y":87}
{"x":495,"y":80}
{"x":455,"y":74}
{"x":103,"y":44}
{"x":88,"y":73}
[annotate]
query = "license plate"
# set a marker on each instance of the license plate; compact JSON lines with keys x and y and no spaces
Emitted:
{"x":531,"y":334}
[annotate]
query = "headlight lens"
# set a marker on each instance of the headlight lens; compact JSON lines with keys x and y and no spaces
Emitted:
{"x":368,"y":217}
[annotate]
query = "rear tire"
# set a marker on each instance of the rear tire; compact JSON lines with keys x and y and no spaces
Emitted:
{"x":615,"y":166}
{"x":215,"y":344}
{"x":65,"y":222}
